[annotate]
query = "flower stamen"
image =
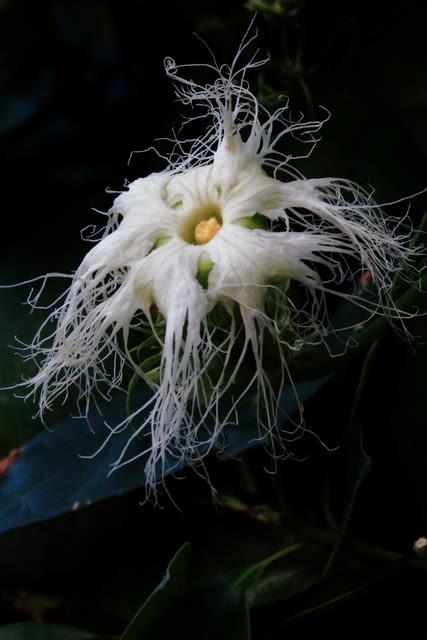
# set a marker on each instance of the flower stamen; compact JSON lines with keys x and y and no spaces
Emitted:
{"x":202,"y":224}
{"x":206,"y":230}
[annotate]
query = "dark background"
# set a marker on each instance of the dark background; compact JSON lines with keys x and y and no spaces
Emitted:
{"x":82,"y":86}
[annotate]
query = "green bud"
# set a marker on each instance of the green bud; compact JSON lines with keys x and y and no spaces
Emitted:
{"x":204,"y":267}
{"x":153,"y":375}
{"x":257,"y":221}
{"x":159,"y":242}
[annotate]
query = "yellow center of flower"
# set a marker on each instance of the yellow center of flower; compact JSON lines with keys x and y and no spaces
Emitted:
{"x":201,"y":224}
{"x":205,"y":230}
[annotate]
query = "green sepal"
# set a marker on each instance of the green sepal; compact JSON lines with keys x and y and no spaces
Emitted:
{"x":257,"y":221}
{"x":204,"y":268}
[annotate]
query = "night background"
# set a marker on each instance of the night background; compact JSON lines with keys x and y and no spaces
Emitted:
{"x":82,"y":87}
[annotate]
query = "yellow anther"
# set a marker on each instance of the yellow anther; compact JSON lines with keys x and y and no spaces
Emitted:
{"x":205,"y":230}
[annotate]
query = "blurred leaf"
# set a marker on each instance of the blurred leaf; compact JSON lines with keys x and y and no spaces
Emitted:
{"x":247,"y":434}
{"x":350,"y":585}
{"x":352,"y":332}
{"x":356,"y":463}
{"x":174,"y":585}
{"x":16,"y":416}
{"x":236,"y":623}
{"x":218,"y":608}
{"x":357,"y":467}
{"x":398,"y":406}
{"x":42,"y":631}
{"x":284,"y":581}
{"x":49,"y":476}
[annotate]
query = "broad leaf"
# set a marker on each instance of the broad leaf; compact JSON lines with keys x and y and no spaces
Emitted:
{"x":42,"y":631}
{"x":50,"y":476}
{"x":217,"y":608}
{"x":173,"y":586}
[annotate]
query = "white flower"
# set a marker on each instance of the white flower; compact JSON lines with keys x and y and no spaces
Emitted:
{"x":228,"y":227}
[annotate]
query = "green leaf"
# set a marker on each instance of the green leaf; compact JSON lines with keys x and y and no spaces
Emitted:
{"x":396,"y":410}
{"x":42,"y":631}
{"x":358,"y":467}
{"x":343,"y":588}
{"x":172,"y":587}
{"x":357,"y":464}
{"x":16,"y":416}
{"x":237,"y":623}
{"x":216,"y":608}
